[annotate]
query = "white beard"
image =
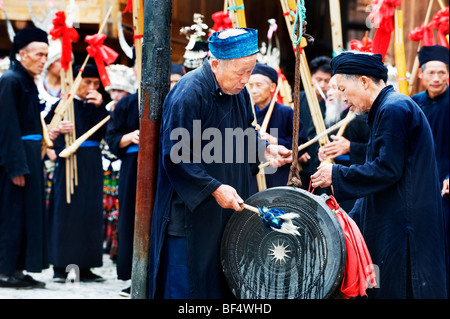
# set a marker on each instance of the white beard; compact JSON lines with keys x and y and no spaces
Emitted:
{"x":333,"y":112}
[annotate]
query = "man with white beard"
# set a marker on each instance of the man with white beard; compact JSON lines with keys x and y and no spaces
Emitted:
{"x":334,"y":104}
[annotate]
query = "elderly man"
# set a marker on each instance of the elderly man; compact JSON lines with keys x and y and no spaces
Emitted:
{"x":262,"y":84}
{"x":398,"y":210}
{"x":434,"y":103}
{"x":76,"y":227}
{"x":23,"y":219}
{"x":203,"y":177}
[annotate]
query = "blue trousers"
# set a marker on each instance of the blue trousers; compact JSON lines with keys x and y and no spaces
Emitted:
{"x":173,"y":275}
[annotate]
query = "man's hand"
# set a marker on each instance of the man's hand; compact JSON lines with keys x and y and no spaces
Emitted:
{"x":65,"y":127}
{"x":94,"y":97}
{"x":130,"y":138}
{"x":19,"y":180}
{"x":278,"y":155}
{"x":322,"y":178}
{"x":339,"y":146}
{"x":445,"y":187}
{"x":227,"y":197}
{"x":269,"y":138}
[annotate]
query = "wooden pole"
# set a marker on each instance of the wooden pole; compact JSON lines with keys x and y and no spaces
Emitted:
{"x":416,"y":59}
{"x":155,"y":84}
{"x":336,"y":26}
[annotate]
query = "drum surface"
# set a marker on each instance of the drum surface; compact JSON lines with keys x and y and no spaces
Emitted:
{"x":261,"y":263}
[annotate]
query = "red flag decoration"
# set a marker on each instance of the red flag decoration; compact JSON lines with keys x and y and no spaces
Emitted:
{"x":222,"y":21}
{"x":365,"y":45}
{"x":101,"y":54}
{"x":68,"y":34}
{"x":359,"y":272}
{"x":440,"y":23}
{"x":424,"y":33}
{"x":382,"y":15}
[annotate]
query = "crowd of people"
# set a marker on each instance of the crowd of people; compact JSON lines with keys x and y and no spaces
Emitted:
{"x":389,"y":170}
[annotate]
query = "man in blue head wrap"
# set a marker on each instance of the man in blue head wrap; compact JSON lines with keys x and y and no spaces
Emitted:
{"x":203,"y":173}
{"x":434,"y":102}
{"x":398,"y":208}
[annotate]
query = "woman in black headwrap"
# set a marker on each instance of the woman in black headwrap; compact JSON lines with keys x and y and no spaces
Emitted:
{"x":398,"y":206}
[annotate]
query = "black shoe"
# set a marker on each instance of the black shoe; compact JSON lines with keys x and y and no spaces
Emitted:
{"x":89,"y":276}
{"x":12,"y":282}
{"x":33,"y":282}
{"x":125,"y":292}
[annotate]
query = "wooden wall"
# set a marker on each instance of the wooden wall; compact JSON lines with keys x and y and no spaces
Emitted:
{"x":353,"y":15}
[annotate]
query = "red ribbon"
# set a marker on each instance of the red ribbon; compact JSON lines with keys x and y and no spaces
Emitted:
{"x":129,"y":7}
{"x":382,"y":15}
{"x":60,"y":29}
{"x":365,"y":45}
{"x":222,"y":21}
{"x":101,"y":54}
{"x":359,"y":271}
{"x":440,"y":22}
{"x":424,"y":33}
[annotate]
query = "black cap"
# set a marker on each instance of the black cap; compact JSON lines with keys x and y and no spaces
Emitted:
{"x":433,"y":53}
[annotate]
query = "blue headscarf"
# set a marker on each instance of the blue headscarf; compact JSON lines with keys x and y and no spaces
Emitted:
{"x":360,"y":64}
{"x":234,"y":47}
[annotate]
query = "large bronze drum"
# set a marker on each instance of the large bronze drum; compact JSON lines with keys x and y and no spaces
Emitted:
{"x":260,"y":263}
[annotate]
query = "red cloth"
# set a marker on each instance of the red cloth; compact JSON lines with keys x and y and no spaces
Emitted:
{"x":61,"y":30}
{"x":101,"y":54}
{"x":362,"y":46}
{"x":382,"y":15}
{"x":424,"y":33}
{"x":359,"y":270}
{"x":441,"y":22}
{"x":222,"y":21}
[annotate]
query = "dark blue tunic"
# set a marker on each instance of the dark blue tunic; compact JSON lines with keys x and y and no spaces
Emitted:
{"x":197,"y":97}
{"x":399,"y":211}
{"x":436,"y":111}
{"x":76,"y":229}
{"x":282,"y":120}
{"x":125,"y":119}
{"x":23,"y":218}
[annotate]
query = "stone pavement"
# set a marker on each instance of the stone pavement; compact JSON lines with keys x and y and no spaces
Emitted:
{"x":108,"y":289}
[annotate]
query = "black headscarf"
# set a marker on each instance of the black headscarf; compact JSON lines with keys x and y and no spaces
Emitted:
{"x":360,"y":64}
{"x":24,"y":37}
{"x":266,"y":70}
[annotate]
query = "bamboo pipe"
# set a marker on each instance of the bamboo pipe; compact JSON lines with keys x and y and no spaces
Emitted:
{"x":45,"y":135}
{"x":138,"y":25}
{"x":416,"y":59}
{"x":329,"y":130}
{"x":242,"y":23}
{"x":339,"y":133}
{"x":400,"y":59}
{"x":266,"y":121}
{"x":73,"y":148}
{"x":63,"y":103}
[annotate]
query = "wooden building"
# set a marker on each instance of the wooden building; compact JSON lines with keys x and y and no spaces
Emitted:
{"x":89,"y":13}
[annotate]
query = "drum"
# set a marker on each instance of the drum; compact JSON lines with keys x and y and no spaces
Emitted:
{"x":260,"y":263}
